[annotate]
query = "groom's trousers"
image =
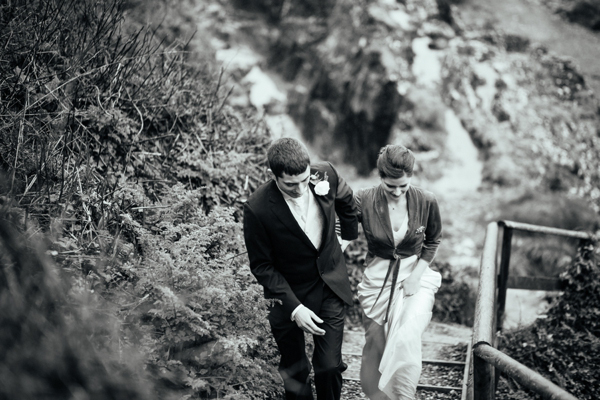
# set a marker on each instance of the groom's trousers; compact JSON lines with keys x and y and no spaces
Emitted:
{"x":294,"y":365}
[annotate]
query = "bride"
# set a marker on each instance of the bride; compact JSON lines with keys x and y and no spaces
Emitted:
{"x":403,"y":229}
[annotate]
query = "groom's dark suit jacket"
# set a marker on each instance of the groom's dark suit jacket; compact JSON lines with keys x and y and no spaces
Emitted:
{"x":284,"y":260}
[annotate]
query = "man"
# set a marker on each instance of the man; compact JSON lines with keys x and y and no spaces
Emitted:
{"x":289,"y":229}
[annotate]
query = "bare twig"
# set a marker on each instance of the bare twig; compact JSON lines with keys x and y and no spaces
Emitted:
{"x":148,"y":207}
{"x":139,"y":113}
{"x":19,"y":141}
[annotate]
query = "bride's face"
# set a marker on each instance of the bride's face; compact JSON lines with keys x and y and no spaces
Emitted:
{"x":395,"y":188}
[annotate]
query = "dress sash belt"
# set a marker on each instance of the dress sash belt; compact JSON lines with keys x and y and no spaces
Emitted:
{"x":393,"y":269}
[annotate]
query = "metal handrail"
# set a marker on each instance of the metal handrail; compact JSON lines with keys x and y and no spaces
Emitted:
{"x":492,"y":289}
{"x":520,"y":226}
{"x":520,"y":373}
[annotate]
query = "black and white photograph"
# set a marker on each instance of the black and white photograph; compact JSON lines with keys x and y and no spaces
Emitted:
{"x":299,"y":199}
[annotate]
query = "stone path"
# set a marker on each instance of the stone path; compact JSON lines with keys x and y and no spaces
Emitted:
{"x":441,"y":341}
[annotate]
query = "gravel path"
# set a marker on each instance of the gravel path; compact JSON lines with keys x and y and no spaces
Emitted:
{"x":440,"y":342}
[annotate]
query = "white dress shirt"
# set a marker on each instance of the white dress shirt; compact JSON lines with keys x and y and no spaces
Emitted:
{"x":307,"y":213}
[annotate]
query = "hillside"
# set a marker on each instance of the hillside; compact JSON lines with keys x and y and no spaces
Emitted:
{"x":502,"y":126}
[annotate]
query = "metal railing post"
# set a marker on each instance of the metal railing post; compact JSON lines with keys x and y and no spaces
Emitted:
{"x":483,"y":379}
{"x":484,"y":323}
{"x":503,"y":275}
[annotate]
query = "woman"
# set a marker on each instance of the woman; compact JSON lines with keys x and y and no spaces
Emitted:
{"x":403,"y":229}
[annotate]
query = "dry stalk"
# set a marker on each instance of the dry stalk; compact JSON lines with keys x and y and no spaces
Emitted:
{"x":19,"y":141}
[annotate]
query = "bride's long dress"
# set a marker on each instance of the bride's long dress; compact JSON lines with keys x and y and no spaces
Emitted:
{"x":408,"y":318}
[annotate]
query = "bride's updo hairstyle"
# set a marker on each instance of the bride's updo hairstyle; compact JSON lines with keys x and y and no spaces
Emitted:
{"x":395,"y":161}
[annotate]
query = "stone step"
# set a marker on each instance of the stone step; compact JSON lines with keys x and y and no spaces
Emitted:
{"x":444,"y":354}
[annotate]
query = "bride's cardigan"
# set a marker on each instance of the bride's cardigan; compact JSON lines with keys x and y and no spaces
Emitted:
{"x":424,"y":225}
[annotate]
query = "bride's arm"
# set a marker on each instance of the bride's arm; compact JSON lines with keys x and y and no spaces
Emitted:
{"x":433,"y":237}
{"x":412,"y":284}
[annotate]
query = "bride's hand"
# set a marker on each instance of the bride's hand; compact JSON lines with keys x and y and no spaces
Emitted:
{"x":411,"y":286}
{"x":344,"y":244}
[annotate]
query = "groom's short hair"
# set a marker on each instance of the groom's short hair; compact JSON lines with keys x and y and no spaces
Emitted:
{"x":287,"y":155}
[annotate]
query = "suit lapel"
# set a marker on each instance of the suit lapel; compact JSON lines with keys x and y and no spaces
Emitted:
{"x":282,"y":211}
{"x":323,"y":203}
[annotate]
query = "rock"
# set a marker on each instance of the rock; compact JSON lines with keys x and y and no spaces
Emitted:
{"x":502,"y":171}
{"x":391,"y":15}
{"x":238,"y":97}
{"x":238,"y":58}
{"x":516,"y":43}
{"x":486,"y":77}
{"x":282,"y":125}
{"x":438,"y":44}
{"x":264,"y":94}
{"x":436,"y":29}
{"x":426,"y":66}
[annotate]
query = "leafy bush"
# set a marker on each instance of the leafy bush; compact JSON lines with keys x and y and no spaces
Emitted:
{"x":565,"y":346}
{"x":95,"y":109}
{"x":195,"y":294}
{"x":355,"y":258}
{"x":455,"y":299}
{"x":54,"y":346}
{"x":276,"y":10}
{"x":124,"y":153}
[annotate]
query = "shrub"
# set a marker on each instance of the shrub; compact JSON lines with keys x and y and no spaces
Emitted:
{"x":54,"y":346}
{"x":85,"y":109}
{"x":193,"y":290}
{"x":355,"y":257}
{"x":565,"y":346}
{"x":124,"y":153}
{"x":455,"y":299}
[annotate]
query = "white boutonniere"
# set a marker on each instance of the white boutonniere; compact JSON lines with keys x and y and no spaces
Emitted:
{"x":321,"y":184}
{"x":420,"y":230}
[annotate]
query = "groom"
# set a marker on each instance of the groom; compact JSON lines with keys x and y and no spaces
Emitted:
{"x":289,"y":230}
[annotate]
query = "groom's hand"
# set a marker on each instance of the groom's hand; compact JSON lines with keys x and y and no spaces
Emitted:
{"x":306,"y":319}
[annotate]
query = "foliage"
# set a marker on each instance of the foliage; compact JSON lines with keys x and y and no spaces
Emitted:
{"x":583,"y":12}
{"x":192,"y":289}
{"x":565,"y":346}
{"x":52,"y":346}
{"x":277,"y":10}
{"x":81,"y":109}
{"x":541,"y":255}
{"x":537,"y":127}
{"x":355,"y":257}
{"x":455,"y":300}
{"x":121,"y":149}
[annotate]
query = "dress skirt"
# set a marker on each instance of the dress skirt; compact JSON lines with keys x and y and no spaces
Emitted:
{"x":400,"y":365}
